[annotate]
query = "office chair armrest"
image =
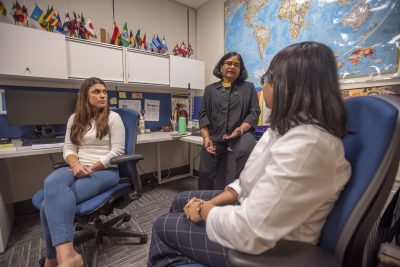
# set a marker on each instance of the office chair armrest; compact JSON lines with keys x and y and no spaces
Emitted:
{"x":285,"y":254}
{"x":58,"y":165}
{"x":126,"y":158}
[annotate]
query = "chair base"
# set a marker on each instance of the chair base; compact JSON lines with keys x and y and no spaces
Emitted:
{"x":98,"y":229}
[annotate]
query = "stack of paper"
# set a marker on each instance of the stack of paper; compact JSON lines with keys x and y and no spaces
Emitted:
{"x":7,"y":147}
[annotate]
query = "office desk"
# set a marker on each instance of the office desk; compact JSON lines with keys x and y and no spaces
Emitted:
{"x":6,"y":201}
{"x":166,"y":136}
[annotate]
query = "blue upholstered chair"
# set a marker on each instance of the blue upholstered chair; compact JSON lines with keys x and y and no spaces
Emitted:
{"x":373,"y":149}
{"x":130,"y":188}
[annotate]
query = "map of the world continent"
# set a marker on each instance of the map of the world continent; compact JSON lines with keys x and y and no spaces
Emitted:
{"x":364,"y":35}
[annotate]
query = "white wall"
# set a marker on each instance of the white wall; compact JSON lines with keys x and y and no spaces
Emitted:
{"x":210,"y":35}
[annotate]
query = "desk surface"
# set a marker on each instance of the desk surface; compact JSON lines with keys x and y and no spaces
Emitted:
{"x":141,"y":139}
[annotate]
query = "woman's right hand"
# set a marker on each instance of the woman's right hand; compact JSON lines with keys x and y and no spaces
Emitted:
{"x":209,"y":146}
{"x":80,"y":170}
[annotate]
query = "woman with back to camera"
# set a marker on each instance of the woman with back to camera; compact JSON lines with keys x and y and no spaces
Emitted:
{"x":94,"y":135}
{"x":290,"y":182}
{"x":229,"y":112}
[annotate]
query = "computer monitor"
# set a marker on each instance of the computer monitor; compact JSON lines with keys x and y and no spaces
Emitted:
{"x":39,"y":108}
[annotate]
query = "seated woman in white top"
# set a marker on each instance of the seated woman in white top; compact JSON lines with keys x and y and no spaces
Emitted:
{"x":290,"y":182}
{"x":94,"y":135}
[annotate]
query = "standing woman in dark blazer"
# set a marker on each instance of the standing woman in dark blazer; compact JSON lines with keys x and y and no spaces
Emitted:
{"x":229,"y":112}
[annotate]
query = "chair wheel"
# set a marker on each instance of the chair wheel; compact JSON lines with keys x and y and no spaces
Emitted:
{"x":127,"y":218}
{"x":143,"y":240}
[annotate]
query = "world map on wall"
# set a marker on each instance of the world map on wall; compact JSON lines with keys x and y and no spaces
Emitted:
{"x":364,"y":35}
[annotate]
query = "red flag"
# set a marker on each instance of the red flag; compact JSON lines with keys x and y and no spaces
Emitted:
{"x":144,"y":42}
{"x":116,"y":35}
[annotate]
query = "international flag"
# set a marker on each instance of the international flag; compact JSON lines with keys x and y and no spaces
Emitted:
{"x":82,"y":33}
{"x":156,"y":42}
{"x":144,"y":42}
{"x":164,"y":44}
{"x":90,"y":29}
{"x":3,"y":9}
{"x":49,"y":16}
{"x":125,"y":36}
{"x":18,"y":14}
{"x":59,"y":26}
{"x":67,"y":25}
{"x":24,"y":15}
{"x":42,"y":21}
{"x":138,"y":39}
{"x":115,"y":39}
{"x":37,"y":13}
{"x":132,"y":39}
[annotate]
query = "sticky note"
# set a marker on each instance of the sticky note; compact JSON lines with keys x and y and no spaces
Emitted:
{"x":122,"y":95}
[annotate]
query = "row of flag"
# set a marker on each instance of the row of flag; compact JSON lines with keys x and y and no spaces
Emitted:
{"x":183,"y":50}
{"x":76,"y":27}
{"x":84,"y":29}
{"x":3,"y":9}
{"x":136,"y":41}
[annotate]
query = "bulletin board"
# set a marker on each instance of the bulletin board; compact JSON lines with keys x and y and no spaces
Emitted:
{"x":164,"y":99}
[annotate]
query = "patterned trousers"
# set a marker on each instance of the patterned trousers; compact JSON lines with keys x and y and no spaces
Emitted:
{"x":176,"y":240}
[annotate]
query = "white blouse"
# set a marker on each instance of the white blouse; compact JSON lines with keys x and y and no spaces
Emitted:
{"x":93,"y":149}
{"x":286,"y":190}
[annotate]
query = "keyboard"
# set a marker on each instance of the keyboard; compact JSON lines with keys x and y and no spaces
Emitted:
{"x":44,"y":142}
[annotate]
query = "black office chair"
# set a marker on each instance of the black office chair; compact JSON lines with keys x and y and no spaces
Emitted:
{"x":373,"y":149}
{"x":88,"y":213}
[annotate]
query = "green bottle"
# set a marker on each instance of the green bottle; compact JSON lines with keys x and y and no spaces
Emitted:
{"x":182,"y":125}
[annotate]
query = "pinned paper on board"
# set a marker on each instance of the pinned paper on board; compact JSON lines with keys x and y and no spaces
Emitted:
{"x":122,"y":95}
{"x":2,"y":102}
{"x":151,"y":110}
{"x":135,"y":105}
{"x":137,"y":95}
{"x":113,"y":101}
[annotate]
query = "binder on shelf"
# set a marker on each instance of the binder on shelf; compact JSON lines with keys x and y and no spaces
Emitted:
{"x":196,"y":105}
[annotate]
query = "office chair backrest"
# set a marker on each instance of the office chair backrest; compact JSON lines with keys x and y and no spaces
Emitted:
{"x":129,"y":118}
{"x":371,"y":147}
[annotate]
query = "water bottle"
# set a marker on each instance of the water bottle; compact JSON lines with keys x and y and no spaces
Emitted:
{"x":182,"y":125}
{"x":141,"y":124}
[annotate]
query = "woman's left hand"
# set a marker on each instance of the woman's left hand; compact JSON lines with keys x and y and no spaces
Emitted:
{"x":190,"y":210}
{"x":235,"y":134}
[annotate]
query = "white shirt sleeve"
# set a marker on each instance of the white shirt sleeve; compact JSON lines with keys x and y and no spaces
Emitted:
{"x":69,"y":148}
{"x":235,"y":185}
{"x":117,"y":138}
{"x":298,"y":179}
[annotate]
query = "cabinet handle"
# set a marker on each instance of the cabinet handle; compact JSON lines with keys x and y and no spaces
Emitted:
{"x":27,"y":69}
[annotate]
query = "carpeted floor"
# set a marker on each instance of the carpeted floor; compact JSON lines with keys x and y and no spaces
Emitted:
{"x":26,"y":244}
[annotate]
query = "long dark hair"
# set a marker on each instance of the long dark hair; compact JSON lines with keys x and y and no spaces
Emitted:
{"x":83,"y":114}
{"x":306,"y":89}
{"x":243,"y":71}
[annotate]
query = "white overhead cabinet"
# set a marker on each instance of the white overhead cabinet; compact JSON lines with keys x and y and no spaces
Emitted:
{"x":147,"y":68}
{"x":185,"y":71}
{"x":93,"y":59}
{"x":32,"y":53}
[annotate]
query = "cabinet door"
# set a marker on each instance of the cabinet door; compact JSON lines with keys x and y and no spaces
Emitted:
{"x":92,"y":59}
{"x":147,"y":68}
{"x":184,"y":71}
{"x":31,"y":52}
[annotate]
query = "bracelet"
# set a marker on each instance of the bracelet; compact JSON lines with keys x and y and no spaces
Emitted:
{"x":199,"y":208}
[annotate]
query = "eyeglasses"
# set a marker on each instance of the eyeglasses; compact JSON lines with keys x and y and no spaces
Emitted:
{"x":232,"y":64}
{"x":267,"y":77}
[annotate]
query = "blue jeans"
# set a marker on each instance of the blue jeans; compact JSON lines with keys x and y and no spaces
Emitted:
{"x":62,"y":192}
